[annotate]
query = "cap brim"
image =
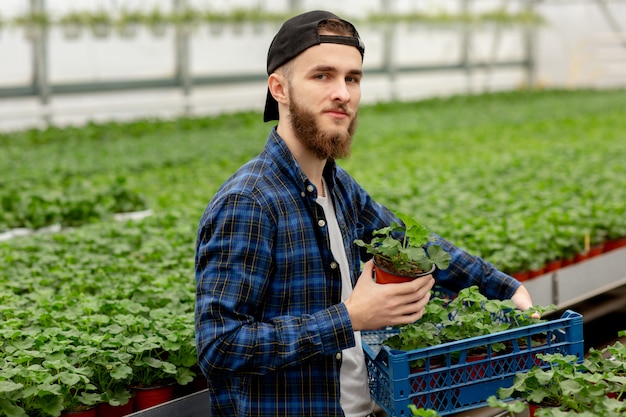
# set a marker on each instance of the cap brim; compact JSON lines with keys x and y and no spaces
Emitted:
{"x":271,"y":108}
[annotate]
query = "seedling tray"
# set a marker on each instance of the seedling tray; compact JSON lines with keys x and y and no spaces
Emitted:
{"x":450,"y":379}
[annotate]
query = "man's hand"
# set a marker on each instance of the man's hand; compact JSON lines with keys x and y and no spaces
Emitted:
{"x":523,"y":301}
{"x":373,"y":306}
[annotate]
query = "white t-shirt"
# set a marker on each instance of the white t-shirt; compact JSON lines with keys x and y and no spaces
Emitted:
{"x":355,"y":394}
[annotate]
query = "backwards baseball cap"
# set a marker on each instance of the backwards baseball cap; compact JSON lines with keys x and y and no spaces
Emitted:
{"x":294,"y":37}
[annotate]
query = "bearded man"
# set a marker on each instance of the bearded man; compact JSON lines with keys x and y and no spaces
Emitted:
{"x":281,"y":298}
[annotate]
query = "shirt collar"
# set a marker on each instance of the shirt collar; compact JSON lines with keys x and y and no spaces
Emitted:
{"x":280,"y":153}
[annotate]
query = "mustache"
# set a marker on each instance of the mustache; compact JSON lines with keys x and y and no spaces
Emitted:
{"x":341,"y":108}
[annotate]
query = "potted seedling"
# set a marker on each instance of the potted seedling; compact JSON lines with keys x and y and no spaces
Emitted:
{"x":400,"y":252}
{"x":72,"y":24}
{"x":610,"y":362}
{"x":563,"y":389}
{"x":157,"y":22}
{"x":128,"y":23}
{"x":34,"y":23}
{"x":100,"y":23}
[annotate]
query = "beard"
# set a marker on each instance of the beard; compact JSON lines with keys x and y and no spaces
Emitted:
{"x":324,"y":144}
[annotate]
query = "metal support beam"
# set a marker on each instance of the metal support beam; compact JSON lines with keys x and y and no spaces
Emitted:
{"x":39,"y":41}
{"x":466,"y":44}
{"x":530,"y":42}
{"x":388,"y":63}
{"x":183,"y":71}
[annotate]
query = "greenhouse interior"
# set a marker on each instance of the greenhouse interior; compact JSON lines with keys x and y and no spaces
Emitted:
{"x":152,"y":208}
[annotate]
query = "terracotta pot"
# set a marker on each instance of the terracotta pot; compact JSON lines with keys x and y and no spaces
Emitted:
{"x":596,"y":250}
{"x":108,"y":410}
{"x":615,"y":244}
{"x":581,"y":256}
{"x":567,"y":262}
{"x":475,"y":372}
{"x":553,"y":265}
{"x":384,"y":276}
{"x":533,"y":273}
{"x":532,"y":408}
{"x":85,"y":413}
{"x":521,"y":275}
{"x":151,"y":396}
{"x":429,"y":382}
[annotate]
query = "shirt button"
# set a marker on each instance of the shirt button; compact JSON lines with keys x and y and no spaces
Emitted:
{"x":321,"y":223}
{"x":310,"y":188}
{"x":338,"y":356}
{"x":302,"y":194}
{"x":333,"y":265}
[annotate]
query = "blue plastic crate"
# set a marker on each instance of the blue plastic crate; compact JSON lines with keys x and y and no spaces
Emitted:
{"x":451,"y":381}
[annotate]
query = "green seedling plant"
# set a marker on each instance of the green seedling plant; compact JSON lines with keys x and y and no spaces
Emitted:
{"x":68,"y":175}
{"x":423,"y":412}
{"x":563,"y":389}
{"x":403,"y":247}
{"x":610,"y":362}
{"x":469,"y":314}
{"x":472,"y":314}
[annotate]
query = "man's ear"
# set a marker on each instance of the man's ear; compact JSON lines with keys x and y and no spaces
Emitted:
{"x":278,"y":87}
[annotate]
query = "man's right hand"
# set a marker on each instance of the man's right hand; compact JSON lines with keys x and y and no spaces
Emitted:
{"x":373,"y":306}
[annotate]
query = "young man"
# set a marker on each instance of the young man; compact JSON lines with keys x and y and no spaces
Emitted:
{"x":280,"y":298}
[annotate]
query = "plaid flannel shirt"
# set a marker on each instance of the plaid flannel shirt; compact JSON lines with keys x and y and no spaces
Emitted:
{"x":269,"y":317}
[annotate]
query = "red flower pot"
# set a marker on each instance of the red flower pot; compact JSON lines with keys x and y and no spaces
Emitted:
{"x":533,"y":273}
{"x":532,"y":408}
{"x":596,"y":250}
{"x":553,"y":265}
{"x":615,"y":244}
{"x":384,"y":276}
{"x":108,"y":410}
{"x":151,"y":396}
{"x":581,"y":256}
{"x":521,"y":275}
{"x":475,"y":372}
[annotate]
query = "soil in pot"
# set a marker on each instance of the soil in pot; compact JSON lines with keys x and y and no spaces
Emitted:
{"x":384,"y":274}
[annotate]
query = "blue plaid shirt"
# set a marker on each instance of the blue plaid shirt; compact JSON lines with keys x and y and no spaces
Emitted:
{"x":269,"y":318}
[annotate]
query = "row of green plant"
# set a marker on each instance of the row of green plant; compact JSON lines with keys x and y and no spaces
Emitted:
{"x":520,"y":183}
{"x":66,"y":205}
{"x":472,"y":160}
{"x":90,"y":314}
{"x":156,"y":19}
{"x":518,"y":178}
{"x":597,"y":387}
{"x":469,"y":314}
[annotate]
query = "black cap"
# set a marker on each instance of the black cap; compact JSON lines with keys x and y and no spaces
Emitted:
{"x":294,"y":37}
